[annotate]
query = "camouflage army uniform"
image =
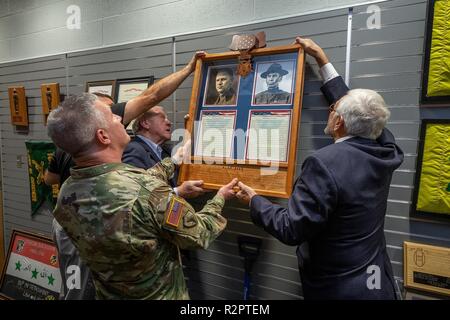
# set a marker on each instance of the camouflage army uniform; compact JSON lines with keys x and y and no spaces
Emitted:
{"x":123,"y":221}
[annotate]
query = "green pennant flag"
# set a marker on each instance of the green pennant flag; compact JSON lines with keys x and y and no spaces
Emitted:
{"x":39,"y":155}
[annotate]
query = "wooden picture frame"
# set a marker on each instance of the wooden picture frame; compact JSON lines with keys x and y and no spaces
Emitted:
{"x":270,"y":176}
{"x":104,"y":86}
{"x":415,"y":210}
{"x":126,"y":89}
{"x":31,"y":269}
{"x":50,"y":98}
{"x":18,"y":106}
{"x":433,"y":99}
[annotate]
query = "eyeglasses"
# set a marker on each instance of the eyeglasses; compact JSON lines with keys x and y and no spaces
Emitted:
{"x":331,"y":108}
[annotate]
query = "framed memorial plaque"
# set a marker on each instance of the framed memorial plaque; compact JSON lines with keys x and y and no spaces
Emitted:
{"x":262,"y":124}
{"x":246,"y":126}
{"x":427,"y":267}
{"x":50,"y":98}
{"x":106,"y":87}
{"x":18,"y":106}
{"x":213,"y":123}
{"x":31,"y":269}
{"x":432,"y":183}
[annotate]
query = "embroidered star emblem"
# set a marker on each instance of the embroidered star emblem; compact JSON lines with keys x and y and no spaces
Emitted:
{"x":18,"y":265}
{"x":34,"y":274}
{"x":50,"y":279}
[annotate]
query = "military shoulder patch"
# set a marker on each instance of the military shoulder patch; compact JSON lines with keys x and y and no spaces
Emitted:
{"x":174,"y":212}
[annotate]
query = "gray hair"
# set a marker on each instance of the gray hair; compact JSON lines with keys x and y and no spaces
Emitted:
{"x":72,"y":126}
{"x":365,"y":113}
{"x":136,"y":127}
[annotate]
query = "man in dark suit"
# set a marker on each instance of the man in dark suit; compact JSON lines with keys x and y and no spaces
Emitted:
{"x":152,"y":130}
{"x":336,"y":212}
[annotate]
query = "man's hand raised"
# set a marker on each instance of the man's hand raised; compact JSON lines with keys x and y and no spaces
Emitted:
{"x":313,"y":49}
{"x":198,"y":55}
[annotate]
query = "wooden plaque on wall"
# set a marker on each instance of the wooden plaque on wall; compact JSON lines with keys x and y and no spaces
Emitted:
{"x":18,"y":106}
{"x":427,"y":267}
{"x":50,"y":98}
{"x":246,"y":127}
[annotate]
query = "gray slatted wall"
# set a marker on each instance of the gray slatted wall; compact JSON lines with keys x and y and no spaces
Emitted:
{"x":16,"y":194}
{"x":388,"y":60}
{"x":135,"y":60}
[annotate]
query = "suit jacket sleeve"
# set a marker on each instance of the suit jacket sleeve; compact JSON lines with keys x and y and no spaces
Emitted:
{"x":135,"y":157}
{"x":313,"y":199}
{"x":334,"y":89}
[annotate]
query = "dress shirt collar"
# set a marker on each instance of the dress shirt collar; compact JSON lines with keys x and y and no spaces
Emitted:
{"x":155,"y":147}
{"x":343,"y":138}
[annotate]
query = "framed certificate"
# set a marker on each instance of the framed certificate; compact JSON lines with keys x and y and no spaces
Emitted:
{"x":106,"y":87}
{"x":268,"y":135}
{"x":213,"y":125}
{"x":246,"y":126}
{"x":31,"y":269}
{"x":127,"y":89}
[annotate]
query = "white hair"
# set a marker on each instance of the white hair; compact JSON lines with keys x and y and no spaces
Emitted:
{"x":73,"y":125}
{"x":365,"y":113}
{"x":137,"y":127}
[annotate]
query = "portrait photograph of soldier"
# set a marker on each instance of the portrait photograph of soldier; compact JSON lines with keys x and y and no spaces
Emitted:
{"x":273,"y":83}
{"x":222,"y":86}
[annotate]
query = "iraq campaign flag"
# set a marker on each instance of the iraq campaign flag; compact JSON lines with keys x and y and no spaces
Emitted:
{"x":39,"y":155}
{"x":31,"y":269}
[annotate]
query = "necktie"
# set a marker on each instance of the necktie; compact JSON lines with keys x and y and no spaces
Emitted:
{"x":159,"y":149}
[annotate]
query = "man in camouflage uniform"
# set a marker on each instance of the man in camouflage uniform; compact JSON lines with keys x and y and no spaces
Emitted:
{"x":127,"y":222}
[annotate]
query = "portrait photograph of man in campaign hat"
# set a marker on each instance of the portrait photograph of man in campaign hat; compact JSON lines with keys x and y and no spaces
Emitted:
{"x":273,"y":83}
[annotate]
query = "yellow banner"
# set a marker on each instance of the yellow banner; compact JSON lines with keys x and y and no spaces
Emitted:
{"x":434,"y":188}
{"x":439,"y":69}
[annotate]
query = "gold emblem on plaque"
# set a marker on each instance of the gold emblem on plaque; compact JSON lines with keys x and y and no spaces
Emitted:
{"x":419,"y":258}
